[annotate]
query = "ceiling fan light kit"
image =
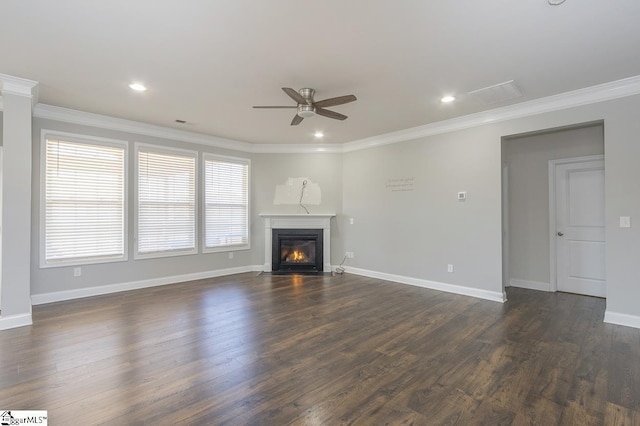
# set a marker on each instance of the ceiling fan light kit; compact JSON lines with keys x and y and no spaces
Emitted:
{"x":306,"y":111}
{"x":307,"y":107}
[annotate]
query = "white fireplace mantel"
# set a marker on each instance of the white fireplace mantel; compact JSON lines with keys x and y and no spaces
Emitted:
{"x":297,"y":221}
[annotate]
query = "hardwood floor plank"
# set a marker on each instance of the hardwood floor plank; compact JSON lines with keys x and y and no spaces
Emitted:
{"x":624,"y":368}
{"x":616,"y":415}
{"x":278,"y":350}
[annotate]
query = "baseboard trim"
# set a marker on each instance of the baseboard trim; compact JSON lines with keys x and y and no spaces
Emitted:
{"x":58,"y":296}
{"x":433,"y":285}
{"x":530,"y":285}
{"x":622,"y":319}
{"x":14,"y":321}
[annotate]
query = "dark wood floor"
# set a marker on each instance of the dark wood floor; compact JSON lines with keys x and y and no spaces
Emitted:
{"x":322,"y":350}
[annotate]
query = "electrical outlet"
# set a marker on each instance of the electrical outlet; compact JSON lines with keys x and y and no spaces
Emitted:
{"x":77,"y":272}
{"x":349,"y":255}
{"x":351,"y":221}
{"x":353,"y":256}
{"x":450,"y":268}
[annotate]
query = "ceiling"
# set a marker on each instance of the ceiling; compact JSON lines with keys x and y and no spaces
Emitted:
{"x":208,"y":61}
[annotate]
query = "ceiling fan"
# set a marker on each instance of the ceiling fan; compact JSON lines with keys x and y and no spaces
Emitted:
{"x":307,"y":107}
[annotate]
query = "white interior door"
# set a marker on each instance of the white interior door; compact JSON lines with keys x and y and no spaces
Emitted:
{"x":580,"y":231}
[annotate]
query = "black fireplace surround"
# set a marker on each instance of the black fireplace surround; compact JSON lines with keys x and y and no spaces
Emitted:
{"x":297,"y":250}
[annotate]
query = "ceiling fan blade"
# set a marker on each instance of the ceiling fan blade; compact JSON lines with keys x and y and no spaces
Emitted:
{"x":340,"y":100}
{"x":294,"y":95}
{"x":260,"y":106}
{"x":296,"y":120}
{"x":330,"y":114}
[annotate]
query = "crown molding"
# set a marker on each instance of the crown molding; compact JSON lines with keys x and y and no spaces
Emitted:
{"x":67,"y":115}
{"x":297,"y":149}
{"x":590,"y":95}
{"x":20,"y":87}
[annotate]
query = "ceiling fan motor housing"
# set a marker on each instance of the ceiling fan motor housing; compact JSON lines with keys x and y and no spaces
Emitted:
{"x":307,"y":94}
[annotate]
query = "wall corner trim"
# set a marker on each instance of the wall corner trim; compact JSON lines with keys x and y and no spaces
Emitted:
{"x":58,"y":296}
{"x":493,"y":296}
{"x":14,"y":321}
{"x":621,"y":319}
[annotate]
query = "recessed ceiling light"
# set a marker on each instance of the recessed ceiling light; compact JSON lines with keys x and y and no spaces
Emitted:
{"x":319,"y":135}
{"x":447,"y":99}
{"x":138,"y":87}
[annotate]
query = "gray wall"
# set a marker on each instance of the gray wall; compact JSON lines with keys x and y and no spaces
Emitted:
{"x":417,"y":233}
{"x":267,"y":171}
{"x":411,"y":233}
{"x":622,"y":174}
{"x":270,"y":170}
{"x":47,"y":280}
{"x":407,"y":218}
{"x":528,"y":159}
{"x":16,"y":205}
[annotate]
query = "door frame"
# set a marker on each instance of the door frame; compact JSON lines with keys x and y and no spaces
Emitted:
{"x":553,"y":267}
{"x":506,"y":274}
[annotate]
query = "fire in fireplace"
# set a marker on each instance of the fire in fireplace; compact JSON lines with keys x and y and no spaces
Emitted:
{"x":297,"y":250}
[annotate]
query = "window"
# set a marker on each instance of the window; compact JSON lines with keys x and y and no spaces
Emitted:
{"x":226,"y":203}
{"x":83,"y":201}
{"x":166,"y":202}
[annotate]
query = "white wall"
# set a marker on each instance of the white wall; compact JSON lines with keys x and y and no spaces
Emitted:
{"x":528,"y":160}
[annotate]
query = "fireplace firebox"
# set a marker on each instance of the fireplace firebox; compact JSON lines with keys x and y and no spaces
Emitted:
{"x":297,"y":250}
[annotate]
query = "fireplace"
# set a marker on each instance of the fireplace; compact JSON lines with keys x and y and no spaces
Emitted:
{"x":308,"y":223}
{"x":297,"y":250}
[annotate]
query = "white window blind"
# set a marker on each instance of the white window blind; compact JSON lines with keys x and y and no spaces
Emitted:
{"x":166,"y":202}
{"x":84,"y":202}
{"x":226,"y":189}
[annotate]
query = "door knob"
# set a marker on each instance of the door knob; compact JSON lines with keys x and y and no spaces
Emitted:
{"x":560,"y":234}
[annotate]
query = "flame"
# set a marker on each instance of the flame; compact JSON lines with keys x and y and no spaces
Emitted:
{"x":297,"y":256}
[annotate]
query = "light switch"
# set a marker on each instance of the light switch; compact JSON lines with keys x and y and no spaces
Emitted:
{"x":625,"y":222}
{"x":351,"y":221}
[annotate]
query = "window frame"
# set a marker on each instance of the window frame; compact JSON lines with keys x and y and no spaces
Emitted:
{"x":88,"y":140}
{"x":146,"y":147}
{"x":226,"y":159}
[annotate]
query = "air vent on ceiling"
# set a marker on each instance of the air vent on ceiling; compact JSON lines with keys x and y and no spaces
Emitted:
{"x":498,"y":93}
